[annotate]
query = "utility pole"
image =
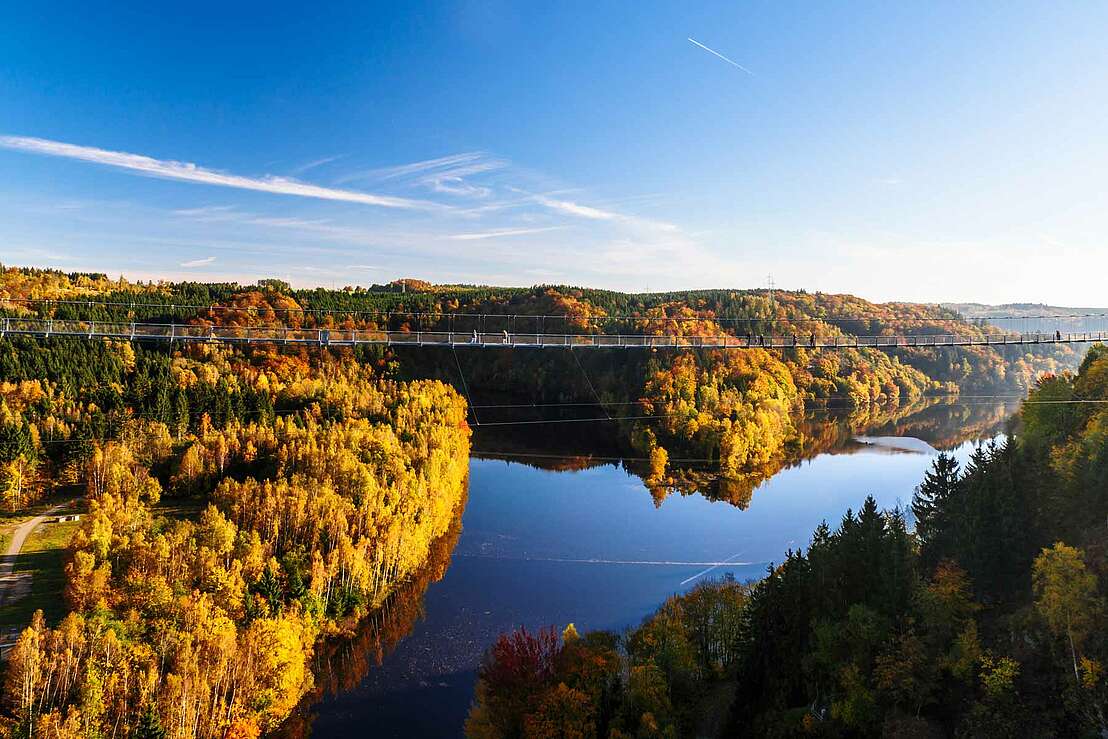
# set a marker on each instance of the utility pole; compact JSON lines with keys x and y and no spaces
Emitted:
{"x":772,"y":307}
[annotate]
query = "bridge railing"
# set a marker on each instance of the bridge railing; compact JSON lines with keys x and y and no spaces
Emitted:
{"x":336,"y":336}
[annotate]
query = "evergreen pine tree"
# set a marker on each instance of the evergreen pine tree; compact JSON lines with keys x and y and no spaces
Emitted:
{"x":149,"y":725}
{"x":933,"y":509}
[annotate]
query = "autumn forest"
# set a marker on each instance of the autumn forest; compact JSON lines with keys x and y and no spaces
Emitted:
{"x":250,"y":513}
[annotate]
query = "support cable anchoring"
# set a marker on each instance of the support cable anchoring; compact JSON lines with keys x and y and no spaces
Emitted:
{"x":465,"y":387}
{"x":595,"y":394}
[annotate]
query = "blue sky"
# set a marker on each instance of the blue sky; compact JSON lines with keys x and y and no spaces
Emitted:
{"x":926,"y":151}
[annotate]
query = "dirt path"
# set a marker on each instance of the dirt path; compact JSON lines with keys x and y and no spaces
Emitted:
{"x":7,"y":562}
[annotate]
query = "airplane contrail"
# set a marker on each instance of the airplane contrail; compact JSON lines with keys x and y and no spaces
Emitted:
{"x":727,"y":561}
{"x":732,"y":62}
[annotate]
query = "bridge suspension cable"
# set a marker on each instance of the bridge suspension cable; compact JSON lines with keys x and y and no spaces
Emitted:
{"x":597,"y":419}
{"x":178,"y":332}
{"x":384,"y":313}
{"x":595,"y":394}
{"x":465,"y":387}
{"x":614,"y":403}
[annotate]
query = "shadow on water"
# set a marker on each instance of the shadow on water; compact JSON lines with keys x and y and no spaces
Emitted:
{"x":403,"y":713}
{"x":341,"y":664}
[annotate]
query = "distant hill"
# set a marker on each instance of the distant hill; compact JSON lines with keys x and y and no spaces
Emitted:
{"x":1023,"y":310}
{"x":1030,"y":317}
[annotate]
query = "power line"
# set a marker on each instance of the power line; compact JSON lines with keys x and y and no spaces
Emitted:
{"x":590,"y":457}
{"x":955,"y":400}
{"x":476,"y":420}
{"x":526,"y":422}
{"x":529,"y":422}
{"x":598,"y":419}
{"x":625,"y":316}
{"x":593,"y":389}
{"x":430,"y":337}
{"x":581,"y":420}
{"x":652,"y":402}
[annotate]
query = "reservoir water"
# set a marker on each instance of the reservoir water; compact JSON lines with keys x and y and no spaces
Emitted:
{"x":592,"y":546}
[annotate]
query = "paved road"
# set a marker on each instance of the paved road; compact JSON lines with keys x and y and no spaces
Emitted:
{"x":7,"y":562}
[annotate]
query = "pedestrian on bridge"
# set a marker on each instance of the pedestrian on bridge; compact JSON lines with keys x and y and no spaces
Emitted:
{"x":474,"y":340}
{"x":507,"y":339}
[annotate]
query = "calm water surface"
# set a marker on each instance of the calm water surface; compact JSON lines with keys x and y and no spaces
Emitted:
{"x":590,"y":547}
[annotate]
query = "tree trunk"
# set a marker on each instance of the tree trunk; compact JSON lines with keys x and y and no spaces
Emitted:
{"x":1073,"y":652}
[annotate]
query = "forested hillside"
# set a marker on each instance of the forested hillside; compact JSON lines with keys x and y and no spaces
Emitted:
{"x":985,"y":621}
{"x":303,"y":489}
{"x":738,"y":409}
{"x":244,"y":504}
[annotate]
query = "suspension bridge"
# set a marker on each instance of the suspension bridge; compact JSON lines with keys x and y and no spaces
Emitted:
{"x":505,"y":339}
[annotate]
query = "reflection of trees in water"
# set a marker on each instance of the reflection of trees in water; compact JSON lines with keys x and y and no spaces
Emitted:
{"x":944,"y":425}
{"x":340,"y":664}
{"x":558,"y":448}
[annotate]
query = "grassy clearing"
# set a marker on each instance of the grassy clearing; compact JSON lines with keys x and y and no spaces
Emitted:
{"x":43,"y":555}
{"x":44,"y":552}
{"x":11,"y":519}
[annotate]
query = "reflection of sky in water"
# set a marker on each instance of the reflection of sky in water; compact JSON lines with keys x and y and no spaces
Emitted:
{"x":522,"y":525}
{"x":897,"y":443}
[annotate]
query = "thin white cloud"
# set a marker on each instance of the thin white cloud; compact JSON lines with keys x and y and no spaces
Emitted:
{"x":452,"y":180}
{"x":189,"y":172}
{"x":207,"y":212}
{"x":501,"y":232}
{"x":458,"y":186}
{"x":610,"y":237}
{"x":316,"y":163}
{"x":36,"y":253}
{"x":732,"y":62}
{"x":484,"y":209}
{"x":218,"y":214}
{"x":446,"y":175}
{"x":598,"y":214}
{"x":413,"y":168}
{"x":287,"y":222}
{"x":576,"y":209}
{"x":405,"y":170}
{"x":229,"y":213}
